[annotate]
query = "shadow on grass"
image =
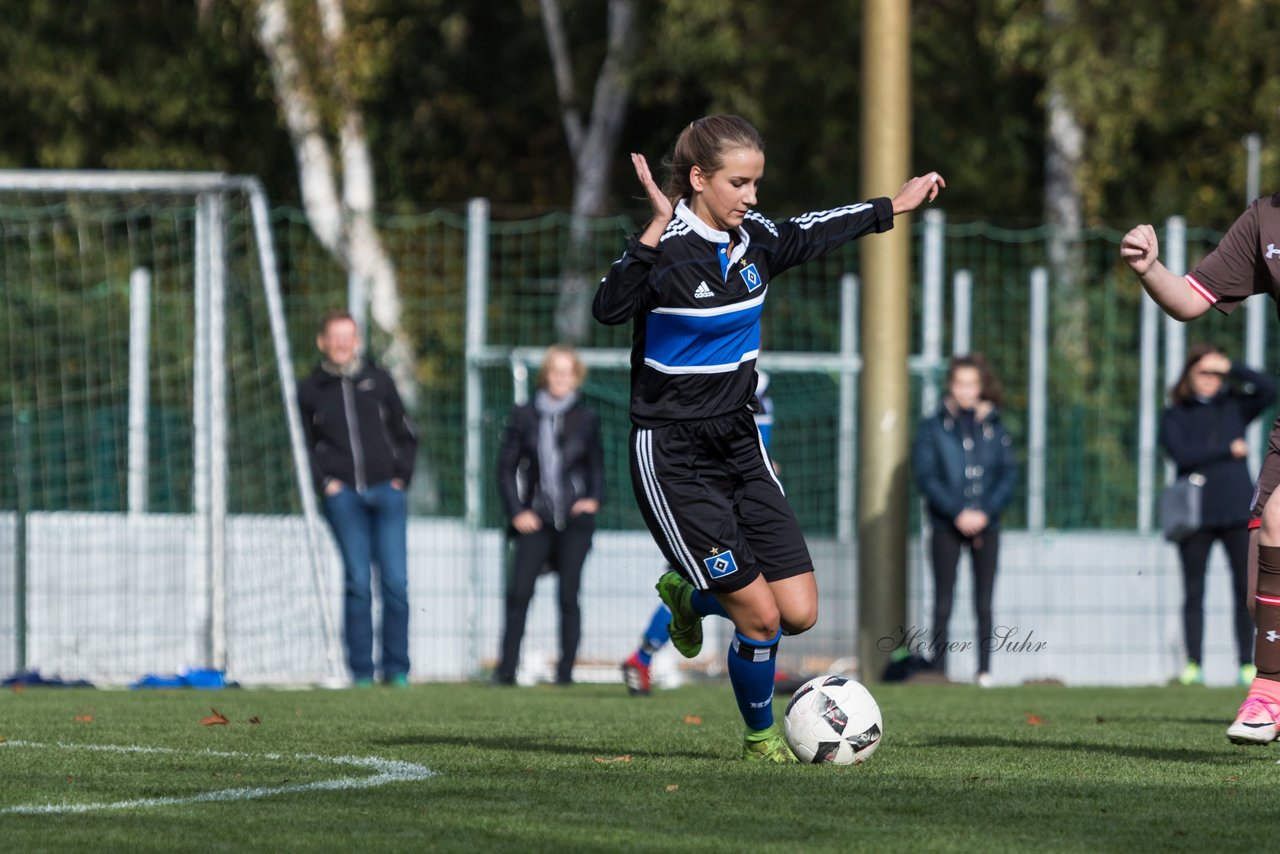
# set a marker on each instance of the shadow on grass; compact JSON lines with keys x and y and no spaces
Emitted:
{"x":1169,"y":753}
{"x":508,"y":744}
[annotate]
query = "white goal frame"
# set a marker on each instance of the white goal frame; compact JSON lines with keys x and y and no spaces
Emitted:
{"x":209,"y":191}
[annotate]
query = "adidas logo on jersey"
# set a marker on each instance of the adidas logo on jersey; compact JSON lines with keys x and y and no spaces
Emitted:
{"x":703,"y":291}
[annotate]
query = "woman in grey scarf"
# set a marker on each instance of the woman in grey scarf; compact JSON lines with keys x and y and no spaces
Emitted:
{"x":551,"y":476}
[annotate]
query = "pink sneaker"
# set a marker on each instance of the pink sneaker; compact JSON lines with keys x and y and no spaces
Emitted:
{"x":1255,"y":723}
{"x":636,"y":674}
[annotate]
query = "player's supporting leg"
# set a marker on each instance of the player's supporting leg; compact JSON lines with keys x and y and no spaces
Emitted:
{"x":752,"y":666}
{"x":635,"y":670}
{"x":1236,"y":542}
{"x":1256,"y":721}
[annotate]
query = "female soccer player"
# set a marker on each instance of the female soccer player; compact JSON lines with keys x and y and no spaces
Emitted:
{"x":693,"y":283}
{"x":1241,"y":265}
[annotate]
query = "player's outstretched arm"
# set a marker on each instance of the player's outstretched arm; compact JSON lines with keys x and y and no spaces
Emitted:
{"x":1140,"y":249}
{"x":917,"y":191}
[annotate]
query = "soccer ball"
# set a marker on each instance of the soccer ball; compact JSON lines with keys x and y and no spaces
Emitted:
{"x":833,"y":720}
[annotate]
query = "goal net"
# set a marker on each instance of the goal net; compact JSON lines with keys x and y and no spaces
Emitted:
{"x":156,"y":515}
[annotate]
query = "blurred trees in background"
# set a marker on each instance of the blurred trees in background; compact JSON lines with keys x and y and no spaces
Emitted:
{"x":459,"y":99}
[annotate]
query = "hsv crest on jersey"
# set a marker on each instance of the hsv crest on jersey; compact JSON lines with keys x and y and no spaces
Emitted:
{"x":751,"y":276}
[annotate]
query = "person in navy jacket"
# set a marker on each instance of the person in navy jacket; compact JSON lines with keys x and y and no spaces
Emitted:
{"x":1203,"y":432}
{"x":965,"y":468}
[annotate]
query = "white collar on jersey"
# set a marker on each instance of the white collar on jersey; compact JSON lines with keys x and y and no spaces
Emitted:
{"x":700,"y":228}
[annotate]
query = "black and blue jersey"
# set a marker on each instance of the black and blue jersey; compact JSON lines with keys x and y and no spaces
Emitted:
{"x":696,"y":299}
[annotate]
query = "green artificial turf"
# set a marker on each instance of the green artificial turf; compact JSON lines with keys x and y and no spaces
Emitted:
{"x":588,"y":768}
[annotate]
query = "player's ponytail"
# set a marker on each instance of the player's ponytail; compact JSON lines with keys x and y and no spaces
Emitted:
{"x":703,"y":144}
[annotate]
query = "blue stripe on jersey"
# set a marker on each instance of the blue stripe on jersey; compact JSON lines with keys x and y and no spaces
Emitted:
{"x":713,"y":340}
{"x":723,"y":255}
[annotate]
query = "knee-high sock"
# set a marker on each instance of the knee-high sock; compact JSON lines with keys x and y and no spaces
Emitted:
{"x":707,"y":605}
{"x":655,"y":635}
{"x":1267,"y":644}
{"x":752,"y":665}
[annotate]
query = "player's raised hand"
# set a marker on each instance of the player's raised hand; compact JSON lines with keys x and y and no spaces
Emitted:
{"x":917,"y":191}
{"x":661,"y":205}
{"x":1140,"y":248}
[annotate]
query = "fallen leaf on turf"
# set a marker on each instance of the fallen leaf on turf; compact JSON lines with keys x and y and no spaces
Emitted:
{"x":84,"y":719}
{"x":604,"y":761}
{"x":253,"y":720}
{"x":673,"y":787}
{"x":692,"y":720}
{"x":214,"y":719}
{"x":1101,"y":719}
{"x":19,"y":688}
{"x":1034,"y":720}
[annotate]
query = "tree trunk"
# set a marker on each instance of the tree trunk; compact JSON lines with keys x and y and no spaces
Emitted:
{"x":592,"y":150}
{"x":340,"y":202}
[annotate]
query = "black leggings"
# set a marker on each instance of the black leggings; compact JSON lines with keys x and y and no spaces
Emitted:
{"x":944,"y":546}
{"x":563,"y":552}
{"x":1194,"y":552}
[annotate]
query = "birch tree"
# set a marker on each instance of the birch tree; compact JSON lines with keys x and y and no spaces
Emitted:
{"x":335,"y":171}
{"x":592,"y":142}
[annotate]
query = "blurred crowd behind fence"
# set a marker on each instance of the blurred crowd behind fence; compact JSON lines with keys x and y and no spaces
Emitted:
{"x":104,"y":571}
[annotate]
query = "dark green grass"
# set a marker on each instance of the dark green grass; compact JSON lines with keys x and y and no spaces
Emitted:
{"x":515,"y":769}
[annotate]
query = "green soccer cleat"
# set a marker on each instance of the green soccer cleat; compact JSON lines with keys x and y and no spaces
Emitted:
{"x":1191,"y":674}
{"x":1247,"y":674}
{"x":686,"y":626}
{"x":767,"y":746}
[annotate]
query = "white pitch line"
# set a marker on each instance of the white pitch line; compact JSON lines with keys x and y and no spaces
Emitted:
{"x":387,"y":771}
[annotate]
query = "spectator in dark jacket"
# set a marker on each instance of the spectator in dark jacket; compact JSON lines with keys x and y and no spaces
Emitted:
{"x":551,"y":475}
{"x":964,"y":466}
{"x":362,"y":447}
{"x":1203,"y":432}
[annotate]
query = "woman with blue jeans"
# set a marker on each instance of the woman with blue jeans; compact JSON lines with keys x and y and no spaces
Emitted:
{"x":362,"y":447}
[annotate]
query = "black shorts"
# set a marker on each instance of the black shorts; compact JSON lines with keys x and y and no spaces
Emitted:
{"x":713,"y":503}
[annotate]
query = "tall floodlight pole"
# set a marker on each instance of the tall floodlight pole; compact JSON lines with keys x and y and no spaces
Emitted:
{"x":884,"y":421}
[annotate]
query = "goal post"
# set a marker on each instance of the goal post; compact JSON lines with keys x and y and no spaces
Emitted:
{"x":182,"y":266}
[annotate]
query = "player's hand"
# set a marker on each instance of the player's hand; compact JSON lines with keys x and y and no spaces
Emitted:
{"x":1239,"y":448}
{"x":662,"y":209}
{"x":584,"y":505}
{"x":1140,"y":248}
{"x":333,"y":487}
{"x":526,"y":522}
{"x":917,"y":191}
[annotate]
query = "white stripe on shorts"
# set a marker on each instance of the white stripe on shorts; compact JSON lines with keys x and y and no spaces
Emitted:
{"x":658,"y":505}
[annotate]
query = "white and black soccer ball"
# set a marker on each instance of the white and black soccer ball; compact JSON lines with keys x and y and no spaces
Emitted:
{"x":833,"y":720}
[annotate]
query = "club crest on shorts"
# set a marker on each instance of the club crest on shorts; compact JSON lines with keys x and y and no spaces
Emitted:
{"x":751,"y":276}
{"x":721,"y":564}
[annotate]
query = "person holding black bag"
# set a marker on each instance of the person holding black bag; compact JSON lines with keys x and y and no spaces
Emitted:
{"x":1203,"y":432}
